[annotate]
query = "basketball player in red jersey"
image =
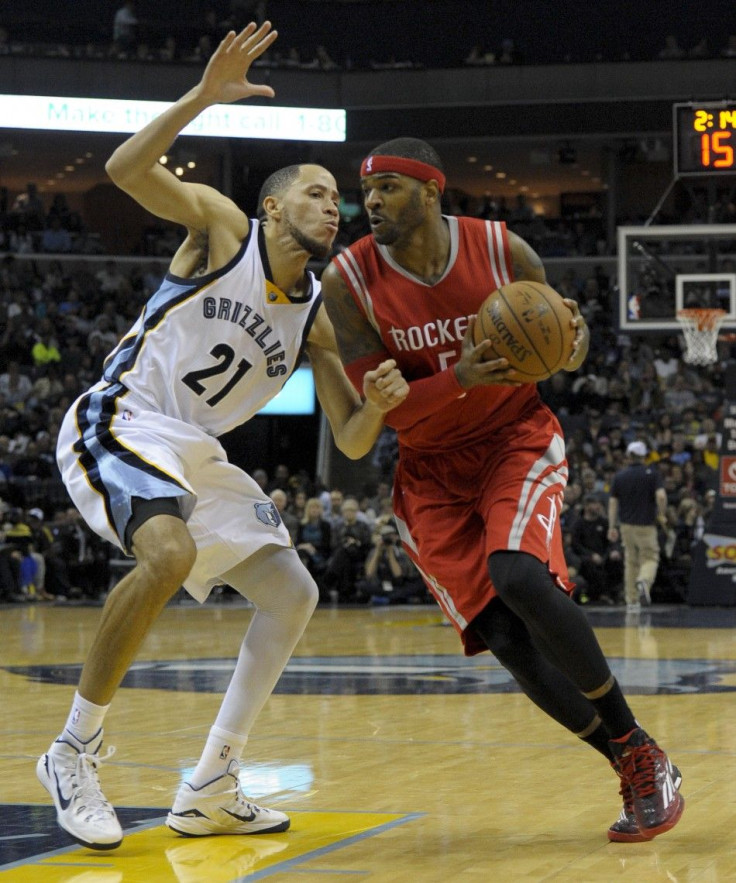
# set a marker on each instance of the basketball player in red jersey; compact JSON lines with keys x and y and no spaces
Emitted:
{"x":482,"y":463}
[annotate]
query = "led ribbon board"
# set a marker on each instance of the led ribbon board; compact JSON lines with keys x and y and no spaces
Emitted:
{"x":50,"y":113}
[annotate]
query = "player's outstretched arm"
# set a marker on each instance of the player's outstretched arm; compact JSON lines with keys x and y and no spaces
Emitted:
{"x":134,"y":166}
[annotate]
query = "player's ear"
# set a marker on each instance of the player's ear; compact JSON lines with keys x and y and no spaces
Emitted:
{"x":432,"y":191}
{"x":272,"y":207}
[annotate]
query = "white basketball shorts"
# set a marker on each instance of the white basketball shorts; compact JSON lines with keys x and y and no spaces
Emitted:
{"x":111,"y":449}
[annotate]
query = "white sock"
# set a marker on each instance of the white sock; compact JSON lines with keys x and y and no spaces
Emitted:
{"x":221,"y":748}
{"x":85,"y":719}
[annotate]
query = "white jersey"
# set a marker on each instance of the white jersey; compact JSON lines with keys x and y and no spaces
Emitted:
{"x":213,"y":350}
{"x":206,"y":354}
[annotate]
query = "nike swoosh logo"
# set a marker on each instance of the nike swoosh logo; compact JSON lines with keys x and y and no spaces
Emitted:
{"x":64,"y":801}
{"x":249,"y":818}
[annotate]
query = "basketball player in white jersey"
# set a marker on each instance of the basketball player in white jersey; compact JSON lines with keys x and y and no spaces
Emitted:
{"x":140,"y":457}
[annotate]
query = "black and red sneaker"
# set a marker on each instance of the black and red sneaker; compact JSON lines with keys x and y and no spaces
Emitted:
{"x":642,"y":765}
{"x":626,"y":829}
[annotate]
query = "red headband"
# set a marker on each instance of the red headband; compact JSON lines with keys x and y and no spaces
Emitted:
{"x":422,"y":171}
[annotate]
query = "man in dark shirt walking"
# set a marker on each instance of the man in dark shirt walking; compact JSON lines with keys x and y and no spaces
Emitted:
{"x":637,"y":502}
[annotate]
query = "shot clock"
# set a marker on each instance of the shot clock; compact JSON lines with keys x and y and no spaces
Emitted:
{"x":705,"y":138}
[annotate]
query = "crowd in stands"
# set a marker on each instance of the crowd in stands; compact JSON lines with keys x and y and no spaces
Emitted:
{"x":403,"y":30}
{"x":58,"y":320}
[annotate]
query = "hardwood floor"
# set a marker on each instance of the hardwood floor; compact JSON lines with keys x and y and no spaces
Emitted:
{"x":397,"y":758}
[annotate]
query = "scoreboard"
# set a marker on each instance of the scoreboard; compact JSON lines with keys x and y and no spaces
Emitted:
{"x":705,"y":138}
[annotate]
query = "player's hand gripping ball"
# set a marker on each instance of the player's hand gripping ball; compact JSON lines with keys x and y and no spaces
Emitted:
{"x":528,"y":324}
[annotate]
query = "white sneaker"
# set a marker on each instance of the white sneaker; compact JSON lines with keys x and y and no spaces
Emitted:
{"x":68,"y":771}
{"x":220,"y":807}
{"x":645,"y":597}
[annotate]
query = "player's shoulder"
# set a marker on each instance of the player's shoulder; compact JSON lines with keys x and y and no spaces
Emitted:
{"x":219,"y":209}
{"x":479,"y":228}
{"x":365,"y":245}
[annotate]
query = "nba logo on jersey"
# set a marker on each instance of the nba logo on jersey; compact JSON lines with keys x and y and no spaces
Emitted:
{"x":268,"y":514}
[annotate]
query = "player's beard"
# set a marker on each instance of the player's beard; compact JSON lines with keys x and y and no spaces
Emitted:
{"x":410,"y":217}
{"x":311,"y":246}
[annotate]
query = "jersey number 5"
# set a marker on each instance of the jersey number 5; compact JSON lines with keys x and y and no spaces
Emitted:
{"x":225,"y":355}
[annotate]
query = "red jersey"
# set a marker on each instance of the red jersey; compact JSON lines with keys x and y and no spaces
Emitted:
{"x":422,"y":327}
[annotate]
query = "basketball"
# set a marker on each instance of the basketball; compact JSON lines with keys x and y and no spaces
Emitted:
{"x":529,"y":324}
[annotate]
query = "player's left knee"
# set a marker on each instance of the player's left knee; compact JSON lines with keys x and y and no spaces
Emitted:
{"x":515,"y":574}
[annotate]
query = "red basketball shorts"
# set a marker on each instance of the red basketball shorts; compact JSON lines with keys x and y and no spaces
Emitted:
{"x":455,"y":508}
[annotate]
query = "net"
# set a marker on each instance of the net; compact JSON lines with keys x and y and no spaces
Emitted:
{"x":700,"y":329}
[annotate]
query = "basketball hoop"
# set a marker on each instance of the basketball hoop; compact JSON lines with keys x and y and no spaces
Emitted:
{"x":700,"y":329}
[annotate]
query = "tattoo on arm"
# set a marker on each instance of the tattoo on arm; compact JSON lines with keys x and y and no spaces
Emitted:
{"x":200,"y":239}
{"x":527,"y":263}
{"x":356,"y":337}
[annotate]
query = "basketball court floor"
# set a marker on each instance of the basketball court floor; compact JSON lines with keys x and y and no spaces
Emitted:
{"x":397,"y":758}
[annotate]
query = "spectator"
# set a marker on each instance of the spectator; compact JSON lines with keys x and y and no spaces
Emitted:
{"x":671,"y":49}
{"x":600,"y":565}
{"x":110,"y":279}
{"x":18,"y":539}
{"x":85,"y":554}
{"x":323,"y":61}
{"x":333,"y":513}
{"x":42,"y":540}
{"x":28,"y":209}
{"x":202,"y":51}
{"x":46,"y":348}
{"x":390,"y":577}
{"x":281,"y":476}
{"x":291,"y":522}
{"x":678,"y":556}
{"x":298,"y":503}
{"x":351,"y":541}
{"x":15,"y":386}
{"x":21,"y":240}
{"x":103,"y":335}
{"x":56,"y":239}
{"x":169,"y":52}
{"x":478,"y":57}
{"x":509,"y":54}
{"x":314,"y":540}
{"x":30,"y":464}
{"x":125,"y":29}
{"x":647,"y":395}
{"x":60,"y":209}
{"x":678,"y":396}
{"x":637,"y":502}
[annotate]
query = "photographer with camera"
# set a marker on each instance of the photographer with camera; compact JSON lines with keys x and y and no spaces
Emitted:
{"x":390,"y":575}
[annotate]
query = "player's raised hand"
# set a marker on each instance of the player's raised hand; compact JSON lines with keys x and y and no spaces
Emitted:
{"x":582,"y":336}
{"x":226,"y":76}
{"x":385,"y":386}
{"x":475,"y":369}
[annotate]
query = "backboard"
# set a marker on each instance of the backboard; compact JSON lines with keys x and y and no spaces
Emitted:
{"x":665,"y":269}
